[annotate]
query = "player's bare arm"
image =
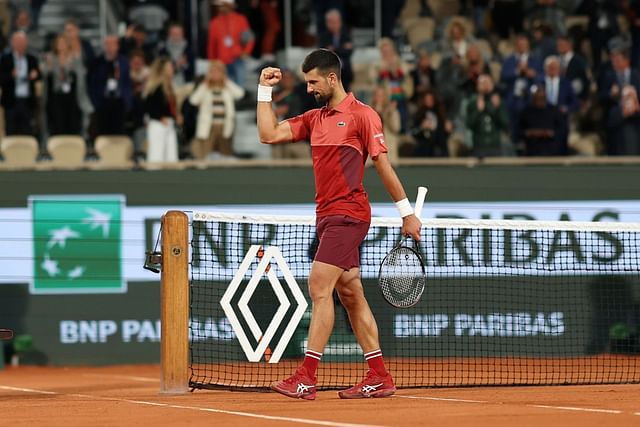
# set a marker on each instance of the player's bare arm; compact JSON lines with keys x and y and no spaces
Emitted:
{"x":270,"y":130}
{"x":410,"y":224}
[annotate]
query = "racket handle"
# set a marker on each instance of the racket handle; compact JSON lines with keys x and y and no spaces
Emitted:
{"x":422,"y":193}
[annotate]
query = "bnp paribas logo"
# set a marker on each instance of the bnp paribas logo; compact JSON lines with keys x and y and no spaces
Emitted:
{"x":77,"y":244}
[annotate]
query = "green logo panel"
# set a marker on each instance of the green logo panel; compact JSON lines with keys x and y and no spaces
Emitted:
{"x":77,"y":244}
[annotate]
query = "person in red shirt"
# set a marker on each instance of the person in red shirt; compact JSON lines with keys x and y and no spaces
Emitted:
{"x":230,"y":40}
{"x":343,"y":133}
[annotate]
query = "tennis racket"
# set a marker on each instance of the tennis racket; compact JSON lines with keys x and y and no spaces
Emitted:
{"x":402,"y":274}
{"x":6,"y":334}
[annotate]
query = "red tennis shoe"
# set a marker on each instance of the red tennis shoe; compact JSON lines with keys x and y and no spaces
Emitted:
{"x":372,"y":386}
{"x":297,"y":386}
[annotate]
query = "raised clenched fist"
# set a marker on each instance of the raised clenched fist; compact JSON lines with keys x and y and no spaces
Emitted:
{"x":270,"y":76}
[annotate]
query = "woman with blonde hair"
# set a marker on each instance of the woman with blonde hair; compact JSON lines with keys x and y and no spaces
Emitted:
{"x":215,"y":98}
{"x":160,"y":106}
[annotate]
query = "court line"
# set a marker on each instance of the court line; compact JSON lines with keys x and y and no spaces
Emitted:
{"x":573,"y":408}
{"x":444,"y":399}
{"x":124,"y":377}
{"x":562,"y":408}
{"x":195,"y":408}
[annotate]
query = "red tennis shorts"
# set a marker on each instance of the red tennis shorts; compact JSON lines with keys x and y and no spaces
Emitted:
{"x":340,"y":237}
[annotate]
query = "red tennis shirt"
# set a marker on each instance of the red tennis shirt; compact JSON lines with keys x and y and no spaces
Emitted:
{"x":341,"y":138}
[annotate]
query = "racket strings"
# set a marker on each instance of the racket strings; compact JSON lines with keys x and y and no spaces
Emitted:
{"x":402,"y":277}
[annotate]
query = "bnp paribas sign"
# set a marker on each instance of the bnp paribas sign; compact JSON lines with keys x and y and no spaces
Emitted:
{"x":77,"y":244}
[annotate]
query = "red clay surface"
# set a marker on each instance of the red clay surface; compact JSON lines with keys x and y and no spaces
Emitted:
{"x":129,"y":395}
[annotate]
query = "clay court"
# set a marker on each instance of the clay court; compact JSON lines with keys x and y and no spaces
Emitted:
{"x":128,"y":395}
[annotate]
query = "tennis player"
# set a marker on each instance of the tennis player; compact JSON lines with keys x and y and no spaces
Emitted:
{"x":343,"y":132}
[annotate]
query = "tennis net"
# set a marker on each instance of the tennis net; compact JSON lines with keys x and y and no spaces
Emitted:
{"x":506,"y":303}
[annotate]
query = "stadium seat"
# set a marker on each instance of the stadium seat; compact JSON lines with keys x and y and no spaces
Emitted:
{"x":419,"y":31}
{"x":67,"y":151}
{"x":19,"y":151}
{"x":444,"y":8}
{"x":114,"y":151}
{"x":581,"y":21}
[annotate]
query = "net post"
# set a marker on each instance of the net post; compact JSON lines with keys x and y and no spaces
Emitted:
{"x":174,"y":301}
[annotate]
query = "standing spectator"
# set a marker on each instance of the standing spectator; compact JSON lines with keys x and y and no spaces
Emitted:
{"x":549,"y":13}
{"x":230,"y":40}
{"x":136,"y":39}
{"x":338,"y":39}
{"x":18,"y":73}
{"x":431,"y":127}
{"x":388,"y":112}
{"x":271,"y":28}
{"x":288,"y":102}
{"x":393,"y":74}
{"x":65,"y":90}
{"x":559,"y":93}
{"x":22,"y":22}
{"x":456,"y":40}
{"x":161,"y":107}
{"x":619,"y":93}
{"x":507,"y":16}
{"x":135,"y":125}
{"x":574,"y":68}
{"x":603,"y":26}
{"x":486,"y":119}
{"x":519,"y":72}
{"x":177,"y":49}
{"x":110,"y":89}
{"x":215,"y":97}
{"x":423,"y":76}
{"x":540,"y":126}
{"x":80,"y":48}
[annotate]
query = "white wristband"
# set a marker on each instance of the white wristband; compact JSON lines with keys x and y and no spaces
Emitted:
{"x":264,"y":93}
{"x":404,"y":207}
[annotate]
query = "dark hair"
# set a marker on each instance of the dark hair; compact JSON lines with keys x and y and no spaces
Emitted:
{"x":324,"y":60}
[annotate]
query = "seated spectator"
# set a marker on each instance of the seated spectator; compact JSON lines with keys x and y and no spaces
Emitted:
{"x":338,"y":39}
{"x":393,"y":74}
{"x":574,"y":68}
{"x":486,"y":119}
{"x":559,"y":93}
{"x":22,"y":22}
{"x":110,"y":89}
{"x":230,"y":40}
{"x":80,"y":48}
{"x":456,"y":40}
{"x":519,"y":72}
{"x":177,"y":49}
{"x":388,"y":112}
{"x":67,"y":101}
{"x":423,"y":76}
{"x":288,"y":102}
{"x":431,"y":128}
{"x":136,"y":39}
{"x":540,"y":125}
{"x":619,"y":94}
{"x":135,"y":125}
{"x":18,"y":73}
{"x":160,"y":105}
{"x":215,"y":97}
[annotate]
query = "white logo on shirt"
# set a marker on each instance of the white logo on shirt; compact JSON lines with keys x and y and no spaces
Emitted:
{"x":379,"y":137}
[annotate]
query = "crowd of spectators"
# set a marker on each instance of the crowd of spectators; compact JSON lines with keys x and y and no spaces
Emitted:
{"x":491,"y":78}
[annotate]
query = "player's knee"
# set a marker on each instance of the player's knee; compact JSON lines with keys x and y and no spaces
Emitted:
{"x":318,"y":292}
{"x":350,"y":296}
